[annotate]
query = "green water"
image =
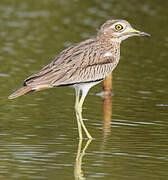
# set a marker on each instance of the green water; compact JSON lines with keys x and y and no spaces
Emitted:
{"x":38,"y":132}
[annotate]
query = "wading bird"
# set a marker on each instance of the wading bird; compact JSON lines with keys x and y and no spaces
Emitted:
{"x":83,"y":65}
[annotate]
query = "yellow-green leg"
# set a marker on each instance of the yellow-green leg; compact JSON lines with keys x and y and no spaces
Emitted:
{"x":79,"y":111}
{"x":77,"y":90}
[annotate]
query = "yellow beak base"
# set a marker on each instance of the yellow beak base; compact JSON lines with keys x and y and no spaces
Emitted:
{"x":135,"y":32}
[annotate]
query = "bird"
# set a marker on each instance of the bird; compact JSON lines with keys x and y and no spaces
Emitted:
{"x":83,"y":65}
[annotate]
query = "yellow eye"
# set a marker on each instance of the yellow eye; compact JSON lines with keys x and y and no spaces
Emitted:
{"x":118,"y":27}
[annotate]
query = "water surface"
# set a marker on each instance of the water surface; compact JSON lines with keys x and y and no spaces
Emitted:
{"x":38,"y":132}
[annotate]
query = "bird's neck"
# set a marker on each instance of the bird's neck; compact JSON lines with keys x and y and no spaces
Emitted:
{"x":109,"y":41}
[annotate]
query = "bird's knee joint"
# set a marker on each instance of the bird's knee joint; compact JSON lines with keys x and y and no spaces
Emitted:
{"x":78,"y":109}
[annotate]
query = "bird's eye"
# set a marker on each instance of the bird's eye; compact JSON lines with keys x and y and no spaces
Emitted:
{"x":118,"y":27}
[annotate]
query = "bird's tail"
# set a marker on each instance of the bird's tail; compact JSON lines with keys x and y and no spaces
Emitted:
{"x":23,"y":90}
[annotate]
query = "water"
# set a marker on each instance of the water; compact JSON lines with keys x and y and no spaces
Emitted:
{"x":38,"y":132}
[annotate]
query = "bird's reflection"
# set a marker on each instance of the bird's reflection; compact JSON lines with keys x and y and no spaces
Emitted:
{"x":107,"y":113}
{"x":78,"y":173}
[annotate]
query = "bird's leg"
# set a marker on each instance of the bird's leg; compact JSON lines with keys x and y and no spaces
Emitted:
{"x":79,"y":111}
{"x":77,"y":90}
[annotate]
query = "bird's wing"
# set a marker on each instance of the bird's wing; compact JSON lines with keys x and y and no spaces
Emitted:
{"x":62,"y":70}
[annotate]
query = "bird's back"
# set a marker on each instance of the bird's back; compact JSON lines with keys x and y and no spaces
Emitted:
{"x":85,"y":61}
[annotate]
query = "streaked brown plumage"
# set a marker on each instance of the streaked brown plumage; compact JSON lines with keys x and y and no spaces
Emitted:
{"x":85,"y":63}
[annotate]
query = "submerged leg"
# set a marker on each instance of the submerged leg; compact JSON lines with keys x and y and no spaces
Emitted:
{"x":77,"y":90}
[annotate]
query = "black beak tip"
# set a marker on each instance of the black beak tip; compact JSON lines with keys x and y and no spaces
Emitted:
{"x":145,"y":34}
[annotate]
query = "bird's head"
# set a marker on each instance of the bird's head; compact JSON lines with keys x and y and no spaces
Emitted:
{"x":119,"y":30}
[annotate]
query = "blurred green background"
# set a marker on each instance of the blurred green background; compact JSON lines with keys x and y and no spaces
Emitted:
{"x":38,"y":132}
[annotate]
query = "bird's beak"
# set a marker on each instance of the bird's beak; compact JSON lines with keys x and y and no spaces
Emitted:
{"x":134,"y":32}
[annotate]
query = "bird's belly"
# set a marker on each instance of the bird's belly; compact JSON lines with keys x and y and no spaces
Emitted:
{"x":105,"y":69}
{"x":86,"y":84}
